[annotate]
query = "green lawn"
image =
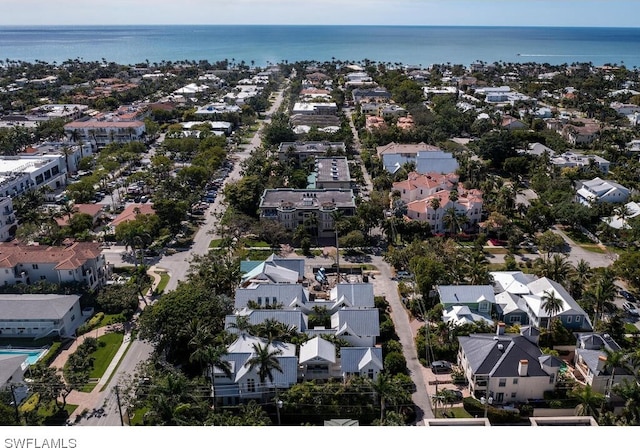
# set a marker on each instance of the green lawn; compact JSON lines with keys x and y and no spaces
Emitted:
{"x":164,"y":280}
{"x":215,"y":243}
{"x":496,"y":250}
{"x":103,"y":356}
{"x":138,"y":415}
{"x":109,"y":319}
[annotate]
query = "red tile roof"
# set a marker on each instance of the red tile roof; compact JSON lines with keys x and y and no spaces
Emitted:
{"x":69,"y":257}
{"x":129,"y":213}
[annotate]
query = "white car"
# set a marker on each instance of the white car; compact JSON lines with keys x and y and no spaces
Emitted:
{"x":630,"y":308}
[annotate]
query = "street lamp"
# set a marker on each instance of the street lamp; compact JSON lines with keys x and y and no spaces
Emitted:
{"x":278,"y":407}
{"x":486,"y":403}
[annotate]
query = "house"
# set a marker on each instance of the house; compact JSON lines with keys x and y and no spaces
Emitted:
{"x":427,"y":158}
{"x":375,"y":95}
{"x":244,"y":384}
{"x":313,"y":208}
{"x":361,"y":361}
{"x":510,"y":368}
{"x":600,"y":190}
{"x":131,"y":211}
{"x":94,"y":210}
{"x":292,"y":318}
{"x":622,"y":222}
{"x":272,"y":270}
{"x":478,"y":301}
{"x":590,"y":362}
{"x":289,"y":295}
{"x":510,"y":286}
{"x":358,"y":327}
{"x":571,"y":315}
{"x":317,"y":360}
{"x":538,"y":149}
{"x":433,"y":209}
{"x":510,"y":123}
{"x":78,"y":262}
{"x":33,"y":316}
{"x":573,"y":159}
{"x":314,"y":108}
{"x":420,"y":186}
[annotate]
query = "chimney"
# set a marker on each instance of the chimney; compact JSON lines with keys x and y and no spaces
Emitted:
{"x":601,"y":362}
{"x":523,"y":367}
{"x":500,"y":328}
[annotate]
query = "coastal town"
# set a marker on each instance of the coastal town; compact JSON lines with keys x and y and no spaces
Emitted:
{"x":337,"y":243}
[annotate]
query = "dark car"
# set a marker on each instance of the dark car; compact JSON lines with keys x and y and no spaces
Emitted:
{"x":440,"y":366}
{"x":630,"y":308}
{"x":628,"y":296}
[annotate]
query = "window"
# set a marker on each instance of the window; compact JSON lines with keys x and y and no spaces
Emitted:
{"x":43,"y":277}
{"x":577,"y":318}
{"x":34,"y":266}
{"x":259,"y":301}
{"x":503,"y":382}
{"x":70,"y":272}
{"x":513,"y":395}
{"x":251,"y":385}
{"x":73,"y":317}
{"x":275,"y":300}
{"x":552,"y":378}
{"x":568,"y":319}
{"x":266,"y":301}
{"x":370,"y":373}
{"x":515,"y":381}
{"x":514,"y":319}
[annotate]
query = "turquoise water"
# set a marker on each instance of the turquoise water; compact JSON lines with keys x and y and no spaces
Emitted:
{"x":261,"y":44}
{"x":32,"y":355}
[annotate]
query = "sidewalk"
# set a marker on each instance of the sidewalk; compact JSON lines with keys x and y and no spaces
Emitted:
{"x":90,"y":400}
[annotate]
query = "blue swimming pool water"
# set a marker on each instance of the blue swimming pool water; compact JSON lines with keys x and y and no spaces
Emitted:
{"x":32,"y":355}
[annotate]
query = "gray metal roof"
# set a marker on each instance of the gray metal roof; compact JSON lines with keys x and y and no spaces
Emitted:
{"x":317,"y":350}
{"x":285,"y":293}
{"x":9,"y":365}
{"x":465,"y":294}
{"x":359,"y":295}
{"x":293,"y":318}
{"x":36,"y":306}
{"x":363,"y":322}
{"x":307,"y":199}
{"x":353,"y":358}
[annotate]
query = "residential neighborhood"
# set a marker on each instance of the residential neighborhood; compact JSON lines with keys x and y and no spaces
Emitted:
{"x":319,"y":243}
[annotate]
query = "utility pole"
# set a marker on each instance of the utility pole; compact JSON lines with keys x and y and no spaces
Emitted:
{"x":119,"y":406}
{"x":337,"y":257}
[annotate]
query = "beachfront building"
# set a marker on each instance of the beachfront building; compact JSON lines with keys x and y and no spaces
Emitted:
{"x":313,"y":208}
{"x":27,"y":264}
{"x":39,"y":315}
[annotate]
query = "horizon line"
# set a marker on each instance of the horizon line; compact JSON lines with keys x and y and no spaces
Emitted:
{"x":311,"y":24}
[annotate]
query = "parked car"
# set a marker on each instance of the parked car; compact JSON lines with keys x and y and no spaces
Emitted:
{"x":628,"y":296}
{"x":630,"y":308}
{"x":144,"y":199}
{"x":441,"y":366}
{"x":400,"y":275}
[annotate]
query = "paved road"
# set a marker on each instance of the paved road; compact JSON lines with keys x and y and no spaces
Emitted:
{"x":177,"y":264}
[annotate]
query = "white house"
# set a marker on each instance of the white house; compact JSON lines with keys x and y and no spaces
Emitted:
{"x":509,"y":368}
{"x":621,"y":222}
{"x":600,"y":190}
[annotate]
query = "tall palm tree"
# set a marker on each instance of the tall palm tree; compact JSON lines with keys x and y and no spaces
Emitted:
{"x":265,"y":361}
{"x":602,"y":293}
{"x":589,"y":402}
{"x":552,"y":304}
{"x":242,"y":324}
{"x":615,"y":360}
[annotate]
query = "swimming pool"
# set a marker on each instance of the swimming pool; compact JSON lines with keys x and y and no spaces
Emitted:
{"x":33,"y":355}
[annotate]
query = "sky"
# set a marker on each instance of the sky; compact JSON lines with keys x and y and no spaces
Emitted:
{"x":609,"y":13}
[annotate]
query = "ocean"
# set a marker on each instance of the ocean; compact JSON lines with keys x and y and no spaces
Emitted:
{"x":263,"y":44}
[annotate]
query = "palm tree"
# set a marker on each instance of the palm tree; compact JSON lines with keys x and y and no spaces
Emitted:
{"x":552,"y":305}
{"x":615,"y":360}
{"x":602,"y":293}
{"x":589,"y":402}
{"x":265,"y":361}
{"x":214,"y":358}
{"x":242,"y":324}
